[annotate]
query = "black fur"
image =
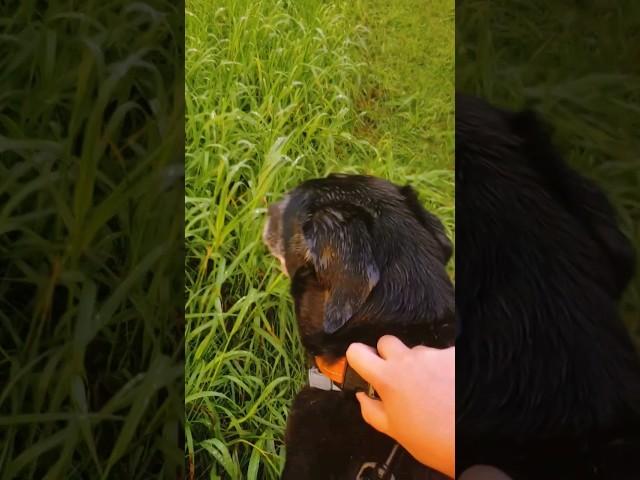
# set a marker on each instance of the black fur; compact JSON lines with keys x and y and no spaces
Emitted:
{"x":365,"y":260}
{"x":547,"y":379}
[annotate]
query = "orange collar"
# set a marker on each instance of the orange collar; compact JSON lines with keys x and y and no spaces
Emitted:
{"x":335,"y":370}
{"x":341,"y":375}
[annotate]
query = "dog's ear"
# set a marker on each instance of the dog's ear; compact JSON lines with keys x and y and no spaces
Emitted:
{"x":580,"y":196}
{"x":341,"y":252}
{"x":429,"y":221}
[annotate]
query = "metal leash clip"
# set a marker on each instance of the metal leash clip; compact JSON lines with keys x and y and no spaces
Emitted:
{"x":374,"y":471}
{"x":371,"y":471}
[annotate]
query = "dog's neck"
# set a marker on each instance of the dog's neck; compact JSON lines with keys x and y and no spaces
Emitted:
{"x":334,"y":346}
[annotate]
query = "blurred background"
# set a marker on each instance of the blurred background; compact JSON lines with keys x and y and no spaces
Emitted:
{"x":91,"y":242}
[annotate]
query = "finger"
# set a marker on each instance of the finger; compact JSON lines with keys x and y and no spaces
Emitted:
{"x":373,"y":412}
{"x":390,"y":346}
{"x":365,"y":360}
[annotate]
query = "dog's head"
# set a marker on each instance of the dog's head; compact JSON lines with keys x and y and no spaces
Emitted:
{"x":358,"y":247}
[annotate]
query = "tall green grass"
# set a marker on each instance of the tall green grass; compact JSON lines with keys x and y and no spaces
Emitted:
{"x":578,"y":65}
{"x":278,"y":92}
{"x":91,"y":116}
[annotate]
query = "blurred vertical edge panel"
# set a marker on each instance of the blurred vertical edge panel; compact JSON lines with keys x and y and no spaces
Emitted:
{"x":91,"y":239}
{"x":576,"y":64}
{"x":548,"y":369}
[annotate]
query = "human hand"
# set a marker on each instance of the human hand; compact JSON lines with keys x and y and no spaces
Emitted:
{"x":416,"y":387}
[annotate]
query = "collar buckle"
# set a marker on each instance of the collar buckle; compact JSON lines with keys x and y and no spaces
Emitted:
{"x":337,"y":375}
{"x":318,"y":380}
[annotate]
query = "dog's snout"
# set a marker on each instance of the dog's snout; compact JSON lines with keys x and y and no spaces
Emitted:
{"x":272,"y":232}
{"x":265,"y":232}
{"x":273,"y":209}
{"x":271,"y":223}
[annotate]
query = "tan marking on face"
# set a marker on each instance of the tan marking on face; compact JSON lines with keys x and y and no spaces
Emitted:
{"x":328,"y":253}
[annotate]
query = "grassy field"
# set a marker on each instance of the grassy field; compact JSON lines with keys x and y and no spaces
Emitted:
{"x":91,"y":116}
{"x":278,"y":92}
{"x":580,"y":69}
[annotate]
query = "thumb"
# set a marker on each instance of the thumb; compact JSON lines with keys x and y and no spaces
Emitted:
{"x":365,"y":360}
{"x":373,"y":412}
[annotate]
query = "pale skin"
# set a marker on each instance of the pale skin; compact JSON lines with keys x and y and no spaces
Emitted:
{"x":416,"y":387}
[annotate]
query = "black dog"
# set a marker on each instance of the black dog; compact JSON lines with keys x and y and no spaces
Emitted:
{"x":547,"y":379}
{"x":365,"y":259}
